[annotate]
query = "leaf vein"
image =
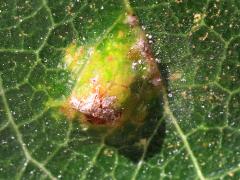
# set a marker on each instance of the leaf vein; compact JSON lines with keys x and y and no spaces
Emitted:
{"x":19,"y":136}
{"x":183,"y":137}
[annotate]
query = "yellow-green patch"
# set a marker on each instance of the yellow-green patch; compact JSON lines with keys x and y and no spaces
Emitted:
{"x":115,"y":80}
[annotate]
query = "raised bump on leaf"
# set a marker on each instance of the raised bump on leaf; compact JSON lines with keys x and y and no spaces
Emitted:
{"x":116,"y":79}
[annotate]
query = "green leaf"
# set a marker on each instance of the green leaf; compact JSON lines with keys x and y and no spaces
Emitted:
{"x":192,"y":133}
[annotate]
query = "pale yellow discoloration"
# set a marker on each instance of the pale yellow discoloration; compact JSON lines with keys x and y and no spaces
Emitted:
{"x":73,"y":56}
{"x":175,"y":76}
{"x":114,"y":80}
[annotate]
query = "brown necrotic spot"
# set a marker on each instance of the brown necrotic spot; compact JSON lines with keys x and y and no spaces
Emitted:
{"x":132,"y":20}
{"x":97,"y":109}
{"x":103,"y":92}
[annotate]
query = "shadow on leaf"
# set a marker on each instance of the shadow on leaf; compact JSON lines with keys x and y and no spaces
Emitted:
{"x":141,"y":142}
{"x":134,"y":140}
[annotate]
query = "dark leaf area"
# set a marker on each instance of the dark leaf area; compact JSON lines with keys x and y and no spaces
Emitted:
{"x":192,"y":133}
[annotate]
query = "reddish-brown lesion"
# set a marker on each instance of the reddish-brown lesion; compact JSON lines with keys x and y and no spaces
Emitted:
{"x":110,"y":58}
{"x":143,"y":49}
{"x":131,"y":20}
{"x":101,"y":111}
{"x":97,"y":107}
{"x":103,"y":121}
{"x":98,"y":111}
{"x":153,"y":69}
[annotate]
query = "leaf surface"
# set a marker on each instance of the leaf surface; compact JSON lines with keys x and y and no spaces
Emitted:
{"x":197,"y":46}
